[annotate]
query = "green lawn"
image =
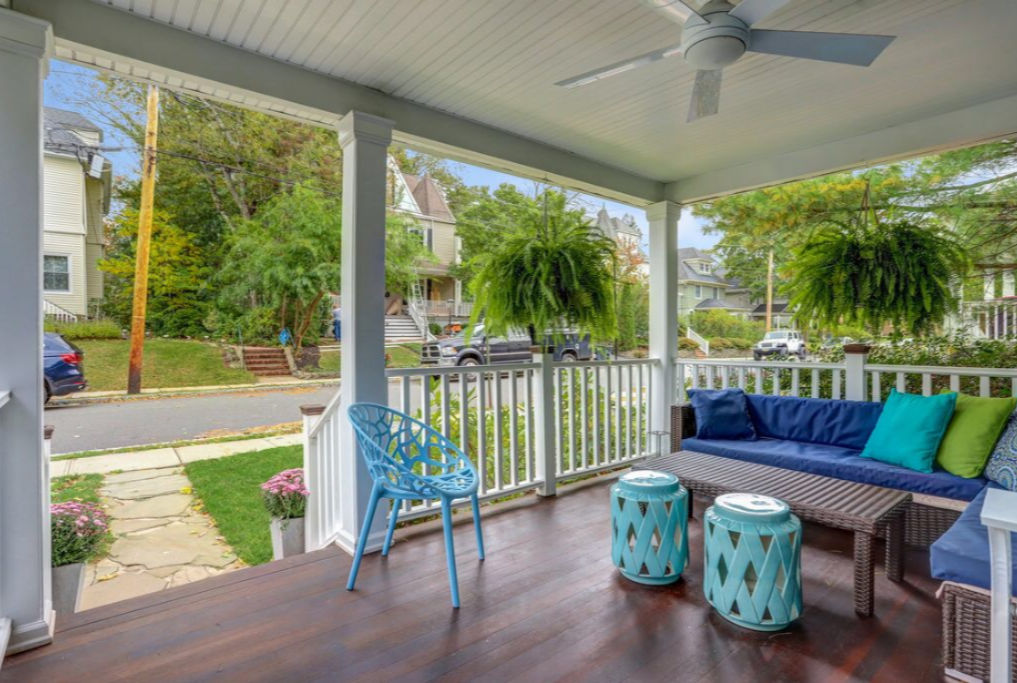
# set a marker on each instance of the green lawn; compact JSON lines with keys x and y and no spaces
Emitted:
{"x":402,"y":356}
{"x":167,"y":363}
{"x":83,"y":487}
{"x":229,"y":489}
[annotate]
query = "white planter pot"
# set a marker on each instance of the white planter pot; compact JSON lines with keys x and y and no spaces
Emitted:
{"x":68,"y":585}
{"x":287,"y":537}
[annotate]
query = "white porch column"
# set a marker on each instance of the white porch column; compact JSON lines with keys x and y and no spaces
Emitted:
{"x":663,"y":253}
{"x":25,"y":45}
{"x":989,"y":286}
{"x":365,"y":140}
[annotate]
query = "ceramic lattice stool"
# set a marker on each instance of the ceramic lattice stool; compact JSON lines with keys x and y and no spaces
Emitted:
{"x":649,"y":520}
{"x":752,"y":562}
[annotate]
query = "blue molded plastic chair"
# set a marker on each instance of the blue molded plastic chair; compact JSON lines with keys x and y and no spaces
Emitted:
{"x":410,"y":461}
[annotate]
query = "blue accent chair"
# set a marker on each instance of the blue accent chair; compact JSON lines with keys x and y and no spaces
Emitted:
{"x":409,"y":460}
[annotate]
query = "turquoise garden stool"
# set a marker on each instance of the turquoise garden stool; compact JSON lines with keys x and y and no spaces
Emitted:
{"x":752,"y":563}
{"x":649,"y":521}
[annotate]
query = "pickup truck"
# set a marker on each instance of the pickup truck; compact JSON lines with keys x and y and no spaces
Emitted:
{"x":485,"y":349}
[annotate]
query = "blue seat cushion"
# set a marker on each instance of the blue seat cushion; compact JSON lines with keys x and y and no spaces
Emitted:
{"x":840,"y":463}
{"x":962,"y":553}
{"x":815,"y":420}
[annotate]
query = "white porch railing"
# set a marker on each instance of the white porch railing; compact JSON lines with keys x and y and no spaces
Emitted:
{"x":321,"y":472}
{"x":704,"y":343}
{"x":598,"y":418}
{"x":458,"y":309}
{"x":54,"y":312}
{"x":852,"y":379}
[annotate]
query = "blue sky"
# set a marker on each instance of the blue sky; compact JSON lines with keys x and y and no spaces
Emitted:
{"x":68,"y":86}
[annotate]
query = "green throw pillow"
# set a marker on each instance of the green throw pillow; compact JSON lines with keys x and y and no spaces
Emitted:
{"x":973,"y":431}
{"x":909,"y":430}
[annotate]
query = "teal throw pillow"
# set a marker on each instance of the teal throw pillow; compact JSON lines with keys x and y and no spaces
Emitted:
{"x":1002,"y":467}
{"x":909,"y":430}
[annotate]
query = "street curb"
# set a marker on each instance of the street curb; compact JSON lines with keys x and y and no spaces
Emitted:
{"x":118,"y":397}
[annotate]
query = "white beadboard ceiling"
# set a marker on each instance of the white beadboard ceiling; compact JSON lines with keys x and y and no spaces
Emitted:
{"x":495,"y":62}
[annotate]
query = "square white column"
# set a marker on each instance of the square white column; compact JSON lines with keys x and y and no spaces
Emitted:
{"x":365,"y":140}
{"x":25,"y":46}
{"x":663,"y":255}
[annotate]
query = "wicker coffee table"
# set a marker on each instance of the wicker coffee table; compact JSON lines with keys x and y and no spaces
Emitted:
{"x":862,"y":508}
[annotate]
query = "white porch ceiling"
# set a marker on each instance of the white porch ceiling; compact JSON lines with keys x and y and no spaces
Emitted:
{"x":495,"y":62}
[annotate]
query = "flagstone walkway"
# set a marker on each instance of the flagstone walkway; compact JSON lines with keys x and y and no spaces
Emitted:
{"x":162,"y":539}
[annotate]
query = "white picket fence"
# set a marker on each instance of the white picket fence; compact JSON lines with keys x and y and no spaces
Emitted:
{"x":527,"y":426}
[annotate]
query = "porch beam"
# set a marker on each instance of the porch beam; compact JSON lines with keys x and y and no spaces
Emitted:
{"x":663,"y":254}
{"x":978,"y":123}
{"x":143,"y":49}
{"x":365,"y":140}
{"x":25,"y":598}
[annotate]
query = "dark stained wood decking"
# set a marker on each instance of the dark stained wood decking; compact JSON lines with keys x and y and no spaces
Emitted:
{"x":547,"y":604}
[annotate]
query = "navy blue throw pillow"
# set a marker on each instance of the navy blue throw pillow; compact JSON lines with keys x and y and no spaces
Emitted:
{"x":721,"y":414}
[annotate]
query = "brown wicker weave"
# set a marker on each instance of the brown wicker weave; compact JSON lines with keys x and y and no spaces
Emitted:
{"x":923,"y":523}
{"x":862,"y":508}
{"x":966,"y":627}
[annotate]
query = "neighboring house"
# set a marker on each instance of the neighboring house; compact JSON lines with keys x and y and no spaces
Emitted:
{"x":703,"y":285}
{"x":623,"y":231}
{"x":994,"y":316}
{"x":423,"y":199}
{"x":780,"y":315}
{"x":76,"y":197}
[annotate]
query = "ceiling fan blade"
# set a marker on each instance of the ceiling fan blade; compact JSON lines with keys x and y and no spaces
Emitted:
{"x":705,"y":95}
{"x":677,"y":11}
{"x":843,"y":48}
{"x":754,"y":11}
{"x":620,"y":67}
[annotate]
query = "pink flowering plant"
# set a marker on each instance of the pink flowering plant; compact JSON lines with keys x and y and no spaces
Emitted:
{"x":285,"y":494}
{"x":79,"y":531}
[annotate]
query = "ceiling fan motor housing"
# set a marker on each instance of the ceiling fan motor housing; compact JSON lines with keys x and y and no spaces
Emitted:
{"x":718,"y":42}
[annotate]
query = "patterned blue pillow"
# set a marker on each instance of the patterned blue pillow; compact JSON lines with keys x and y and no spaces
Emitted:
{"x":1002,"y":467}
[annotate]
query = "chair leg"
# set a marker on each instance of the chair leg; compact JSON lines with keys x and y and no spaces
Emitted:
{"x":372,"y":505}
{"x":450,"y":551}
{"x":476,"y":526}
{"x":391,"y":527}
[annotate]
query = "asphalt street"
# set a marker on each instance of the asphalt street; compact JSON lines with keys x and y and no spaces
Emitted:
{"x":157,"y":420}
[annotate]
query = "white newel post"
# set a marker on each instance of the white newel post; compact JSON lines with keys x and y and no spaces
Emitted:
{"x":855,"y":356}
{"x":999,"y":515}
{"x":365,"y":140}
{"x":25,"y":46}
{"x":545,"y":446}
{"x":663,"y":219}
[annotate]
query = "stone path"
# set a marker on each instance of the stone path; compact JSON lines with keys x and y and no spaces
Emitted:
{"x":162,"y":540}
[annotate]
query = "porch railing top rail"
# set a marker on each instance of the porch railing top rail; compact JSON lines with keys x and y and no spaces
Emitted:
{"x":762,"y":364}
{"x":330,"y":409}
{"x":943,"y":370}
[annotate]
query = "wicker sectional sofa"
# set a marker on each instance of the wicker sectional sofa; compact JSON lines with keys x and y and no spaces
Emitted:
{"x":960,"y":558}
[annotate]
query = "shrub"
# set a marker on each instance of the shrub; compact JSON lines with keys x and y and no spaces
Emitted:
{"x":720,"y":344}
{"x":85,"y":329}
{"x":79,"y":531}
{"x":686,"y":344}
{"x":718,"y":323}
{"x":435,"y":329}
{"x":740,"y":344}
{"x":285,"y":494}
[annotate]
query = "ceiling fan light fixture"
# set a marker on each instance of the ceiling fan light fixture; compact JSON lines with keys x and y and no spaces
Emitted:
{"x":715,"y":52}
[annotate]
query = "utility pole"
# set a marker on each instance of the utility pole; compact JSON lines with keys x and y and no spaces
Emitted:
{"x":769,"y":290}
{"x":144,"y":243}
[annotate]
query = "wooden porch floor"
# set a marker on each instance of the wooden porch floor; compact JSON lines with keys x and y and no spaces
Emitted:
{"x":546,"y":605}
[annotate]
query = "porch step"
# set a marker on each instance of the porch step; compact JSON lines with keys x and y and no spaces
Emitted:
{"x":266,"y":361}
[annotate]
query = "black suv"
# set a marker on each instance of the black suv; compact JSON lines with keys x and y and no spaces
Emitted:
{"x":484,"y":349}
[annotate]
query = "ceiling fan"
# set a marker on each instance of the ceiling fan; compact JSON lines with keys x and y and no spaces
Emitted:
{"x":720,"y":33}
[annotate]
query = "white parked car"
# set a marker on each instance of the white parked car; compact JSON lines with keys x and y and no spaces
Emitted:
{"x":781,"y":343}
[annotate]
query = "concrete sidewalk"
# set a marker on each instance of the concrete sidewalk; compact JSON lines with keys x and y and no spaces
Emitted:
{"x":166,"y":457}
{"x":268,"y":384}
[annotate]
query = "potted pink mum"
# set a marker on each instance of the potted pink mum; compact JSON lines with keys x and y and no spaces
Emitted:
{"x":285,"y":497}
{"x":78,"y":533}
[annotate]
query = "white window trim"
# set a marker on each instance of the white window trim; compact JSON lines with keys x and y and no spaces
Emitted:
{"x":70,"y":273}
{"x":699,"y":291}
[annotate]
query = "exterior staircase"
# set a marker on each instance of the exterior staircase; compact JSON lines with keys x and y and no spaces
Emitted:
{"x":266,"y":361}
{"x":401,"y":327}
